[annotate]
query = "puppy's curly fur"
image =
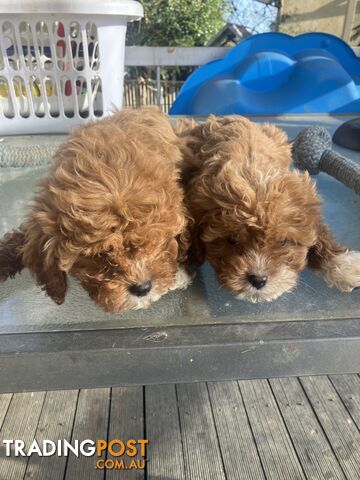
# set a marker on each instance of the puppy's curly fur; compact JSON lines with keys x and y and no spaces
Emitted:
{"x":256,"y":221}
{"x":110,"y":213}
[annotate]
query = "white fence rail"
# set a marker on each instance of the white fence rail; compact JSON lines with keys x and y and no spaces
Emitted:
{"x":172,"y":56}
{"x":177,"y":56}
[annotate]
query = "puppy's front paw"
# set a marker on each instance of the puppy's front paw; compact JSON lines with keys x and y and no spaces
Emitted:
{"x":182,"y":279}
{"x":343,"y":271}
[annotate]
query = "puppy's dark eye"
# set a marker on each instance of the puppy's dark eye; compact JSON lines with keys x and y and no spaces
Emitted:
{"x":232,"y":241}
{"x":285,"y":242}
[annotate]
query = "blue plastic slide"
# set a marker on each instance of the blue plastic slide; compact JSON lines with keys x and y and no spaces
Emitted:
{"x":274,"y":73}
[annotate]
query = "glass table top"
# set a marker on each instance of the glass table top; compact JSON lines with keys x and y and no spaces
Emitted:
{"x":24,"y":308}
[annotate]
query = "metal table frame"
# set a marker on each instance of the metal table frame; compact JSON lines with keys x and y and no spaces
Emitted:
{"x":140,"y":356}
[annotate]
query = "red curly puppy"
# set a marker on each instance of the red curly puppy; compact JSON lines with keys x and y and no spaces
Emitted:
{"x":110,"y":213}
{"x":256,"y":221}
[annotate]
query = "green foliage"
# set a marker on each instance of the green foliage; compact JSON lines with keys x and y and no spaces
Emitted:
{"x":178,"y":22}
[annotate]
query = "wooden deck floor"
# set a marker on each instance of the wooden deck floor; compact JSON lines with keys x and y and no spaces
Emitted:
{"x":290,"y":428}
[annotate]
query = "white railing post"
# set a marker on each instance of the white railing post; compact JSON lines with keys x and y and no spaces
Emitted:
{"x":158,"y":86}
{"x":348,"y":20}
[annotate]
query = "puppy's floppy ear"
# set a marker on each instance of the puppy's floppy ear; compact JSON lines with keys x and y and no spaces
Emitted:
{"x":10,"y":254}
{"x":40,"y":257}
{"x":25,"y":248}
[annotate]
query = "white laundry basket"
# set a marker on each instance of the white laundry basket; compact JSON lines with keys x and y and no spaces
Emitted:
{"x":61,"y":62}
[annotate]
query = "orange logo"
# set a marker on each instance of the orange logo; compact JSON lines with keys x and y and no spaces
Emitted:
{"x":124,"y":454}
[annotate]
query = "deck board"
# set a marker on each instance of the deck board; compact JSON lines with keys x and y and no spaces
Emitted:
{"x":317,"y":458}
{"x":126,"y":421}
{"x":163,"y":428}
{"x":234,"y":432}
{"x":276,"y":451}
{"x":4,"y":405}
{"x":336,"y":422}
{"x":20,"y":423}
{"x":348,"y":388}
{"x":91,"y":422}
{"x":277,"y":429}
{"x":201,"y":449}
{"x":55,"y":423}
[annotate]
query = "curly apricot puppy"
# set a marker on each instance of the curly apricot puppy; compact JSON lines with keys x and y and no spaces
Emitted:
{"x":256,"y":221}
{"x":110,"y":213}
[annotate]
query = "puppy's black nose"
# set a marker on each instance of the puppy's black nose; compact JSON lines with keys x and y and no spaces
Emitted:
{"x":140,"y":289}
{"x":257,"y":281}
